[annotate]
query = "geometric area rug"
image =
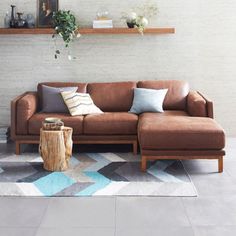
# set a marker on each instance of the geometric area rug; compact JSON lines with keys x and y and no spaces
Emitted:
{"x":94,"y":174}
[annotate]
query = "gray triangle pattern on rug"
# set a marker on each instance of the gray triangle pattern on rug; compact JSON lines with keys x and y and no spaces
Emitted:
{"x":94,"y":174}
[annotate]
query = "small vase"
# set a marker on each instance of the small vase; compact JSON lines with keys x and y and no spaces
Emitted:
{"x":20,"y":22}
{"x":7,"y":20}
{"x":12,"y":21}
{"x":130,"y":24}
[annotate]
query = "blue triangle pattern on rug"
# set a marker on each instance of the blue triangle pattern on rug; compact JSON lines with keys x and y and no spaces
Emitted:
{"x":51,"y":184}
{"x":94,"y":174}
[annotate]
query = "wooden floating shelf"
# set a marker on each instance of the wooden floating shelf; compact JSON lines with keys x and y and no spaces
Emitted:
{"x":127,"y":31}
{"x":89,"y":31}
{"x":26,"y":31}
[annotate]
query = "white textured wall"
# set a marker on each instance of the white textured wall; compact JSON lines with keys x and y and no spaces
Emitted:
{"x":203,"y":52}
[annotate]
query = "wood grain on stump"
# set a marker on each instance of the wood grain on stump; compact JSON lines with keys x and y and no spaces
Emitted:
{"x":56,"y":148}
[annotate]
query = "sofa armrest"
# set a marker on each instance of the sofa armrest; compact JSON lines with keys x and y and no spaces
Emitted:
{"x":196,"y":104}
{"x":209,"y":106}
{"x":22,"y":108}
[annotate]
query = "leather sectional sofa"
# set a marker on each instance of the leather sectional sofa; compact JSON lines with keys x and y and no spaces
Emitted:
{"x":186,"y":130}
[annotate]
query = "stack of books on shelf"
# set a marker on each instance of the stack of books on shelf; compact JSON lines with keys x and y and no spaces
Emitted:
{"x":4,"y":134}
{"x":102,"y":24}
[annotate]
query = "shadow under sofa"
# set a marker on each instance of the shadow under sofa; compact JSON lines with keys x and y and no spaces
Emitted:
{"x":185,"y":130}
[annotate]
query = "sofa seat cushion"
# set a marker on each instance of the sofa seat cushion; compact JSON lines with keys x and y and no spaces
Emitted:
{"x":35,"y":122}
{"x":175,"y":130}
{"x":111,"y":123}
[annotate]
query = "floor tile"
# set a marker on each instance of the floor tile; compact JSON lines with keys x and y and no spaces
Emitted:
{"x":210,"y":183}
{"x":134,"y":212}
{"x":215,"y":231}
{"x":18,"y":231}
{"x":76,"y":231}
{"x":21,"y":211}
{"x":167,"y":231}
{"x":215,"y":187}
{"x":211,"y":211}
{"x":80,"y":212}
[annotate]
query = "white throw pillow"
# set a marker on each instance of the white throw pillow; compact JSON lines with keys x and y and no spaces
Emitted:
{"x":80,"y":103}
{"x":148,"y":100}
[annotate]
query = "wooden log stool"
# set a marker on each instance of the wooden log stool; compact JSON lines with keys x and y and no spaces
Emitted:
{"x":56,"y":148}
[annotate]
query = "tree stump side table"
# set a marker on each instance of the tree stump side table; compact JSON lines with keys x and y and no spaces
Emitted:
{"x":56,"y":148}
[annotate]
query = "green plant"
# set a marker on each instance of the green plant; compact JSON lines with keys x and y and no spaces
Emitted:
{"x":66,"y":27}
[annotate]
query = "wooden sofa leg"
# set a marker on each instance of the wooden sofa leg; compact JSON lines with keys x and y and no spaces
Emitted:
{"x":144,"y":164}
{"x":17,"y":146}
{"x":135,"y":148}
{"x":220,"y":164}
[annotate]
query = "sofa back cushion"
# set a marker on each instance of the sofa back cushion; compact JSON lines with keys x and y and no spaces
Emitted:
{"x":81,"y":88}
{"x":176,"y":97}
{"x":117,"y":96}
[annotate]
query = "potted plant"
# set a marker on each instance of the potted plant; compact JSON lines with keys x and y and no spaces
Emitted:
{"x":140,"y":16}
{"x":66,"y":27}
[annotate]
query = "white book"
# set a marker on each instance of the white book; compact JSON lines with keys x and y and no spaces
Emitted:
{"x":99,"y":24}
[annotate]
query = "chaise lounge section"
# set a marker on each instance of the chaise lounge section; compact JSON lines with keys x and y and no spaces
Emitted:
{"x":185,"y":130}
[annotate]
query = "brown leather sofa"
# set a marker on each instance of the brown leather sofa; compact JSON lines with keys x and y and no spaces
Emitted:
{"x":186,"y":130}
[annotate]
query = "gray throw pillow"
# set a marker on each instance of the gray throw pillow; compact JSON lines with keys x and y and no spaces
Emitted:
{"x":148,"y":100}
{"x":52,"y":101}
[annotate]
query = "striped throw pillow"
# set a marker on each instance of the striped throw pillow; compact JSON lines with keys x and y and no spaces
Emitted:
{"x":80,"y":103}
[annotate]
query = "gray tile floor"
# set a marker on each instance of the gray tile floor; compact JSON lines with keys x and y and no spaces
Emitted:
{"x":212,"y":213}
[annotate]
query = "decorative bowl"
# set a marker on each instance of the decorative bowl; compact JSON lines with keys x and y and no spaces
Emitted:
{"x":52,"y":120}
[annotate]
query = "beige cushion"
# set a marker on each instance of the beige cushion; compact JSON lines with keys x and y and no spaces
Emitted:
{"x":80,"y":103}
